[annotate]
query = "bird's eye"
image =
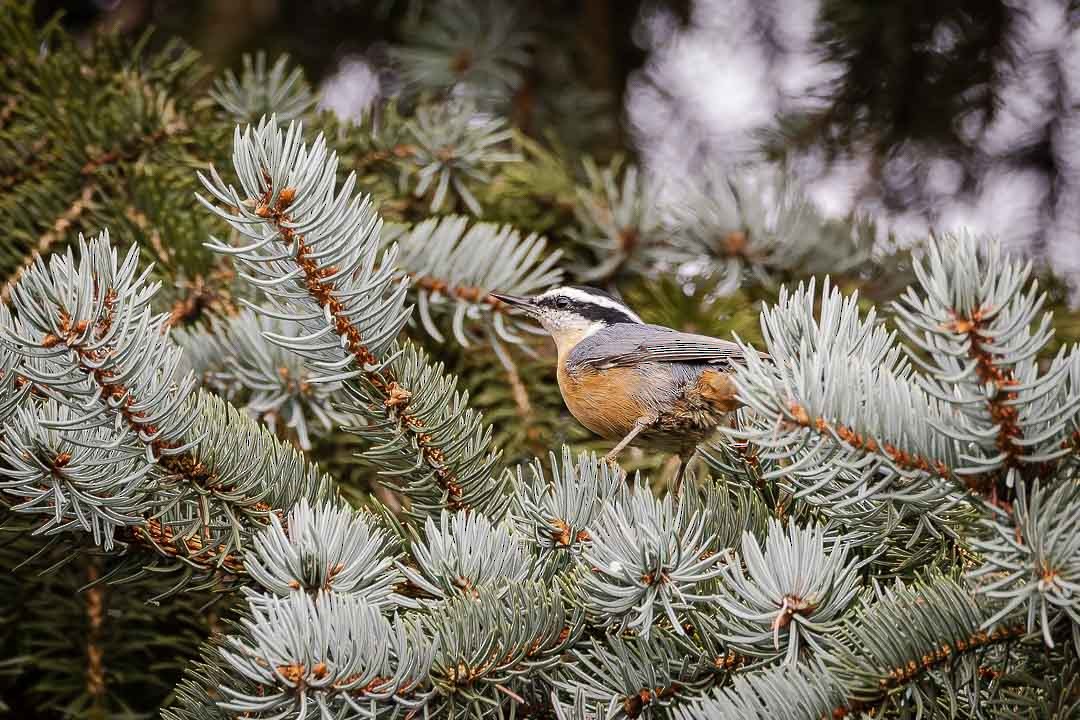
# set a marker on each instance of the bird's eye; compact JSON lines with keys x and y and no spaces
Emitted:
{"x":562,"y":303}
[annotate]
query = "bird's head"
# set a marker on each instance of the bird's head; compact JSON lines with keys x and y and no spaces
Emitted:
{"x":573,"y":312}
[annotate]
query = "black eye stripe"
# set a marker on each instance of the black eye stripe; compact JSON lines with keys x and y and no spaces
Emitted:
{"x":588,"y":310}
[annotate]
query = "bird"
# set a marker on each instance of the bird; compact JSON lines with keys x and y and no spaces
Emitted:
{"x":626,"y":380}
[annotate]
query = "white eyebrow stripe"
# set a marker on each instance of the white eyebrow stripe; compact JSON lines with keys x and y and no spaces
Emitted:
{"x":599,"y":300}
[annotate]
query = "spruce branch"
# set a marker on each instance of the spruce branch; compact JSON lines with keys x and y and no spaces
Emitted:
{"x":894,"y":536}
{"x":234,"y":358}
{"x":94,"y":345}
{"x":839,"y":402}
{"x":897,"y":652}
{"x":454,"y":267}
{"x":13,"y":386}
{"x":758,"y":227}
{"x":455,"y":467}
{"x":618,"y":219}
{"x":258,"y":91}
{"x":44,"y":244}
{"x":727,"y":510}
{"x":492,"y":642}
{"x":465,"y":553}
{"x":95,"y":620}
{"x":1032,"y":564}
{"x":454,"y":145}
{"x":649,"y":562}
{"x":80,"y":478}
{"x":315,"y":251}
{"x":787,"y":599}
{"x":878,"y":667}
{"x":556,"y":515}
{"x":213,"y":498}
{"x":974,"y":321}
{"x":783,"y":692}
{"x":633,"y":677}
{"x":482,"y":48}
{"x":190,"y":479}
{"x":64,"y":169}
{"x":335,"y":652}
{"x":1050,"y":689}
{"x":328,"y":549}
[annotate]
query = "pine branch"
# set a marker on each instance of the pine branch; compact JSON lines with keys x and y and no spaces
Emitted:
{"x":316,"y":250}
{"x":258,"y":92}
{"x":758,"y":228}
{"x":454,"y":267}
{"x":119,"y":441}
{"x":234,"y":358}
{"x":103,"y":132}
{"x":838,"y":402}
{"x":481,"y":48}
{"x":1033,"y":563}
{"x":975,"y":323}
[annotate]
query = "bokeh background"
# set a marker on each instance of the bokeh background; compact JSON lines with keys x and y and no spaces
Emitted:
{"x":928,"y":115}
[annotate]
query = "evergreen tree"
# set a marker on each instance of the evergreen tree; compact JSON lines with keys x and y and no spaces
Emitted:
{"x":271,"y":449}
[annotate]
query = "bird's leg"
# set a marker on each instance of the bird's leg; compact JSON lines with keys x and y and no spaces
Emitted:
{"x":641,"y":424}
{"x":684,"y":460}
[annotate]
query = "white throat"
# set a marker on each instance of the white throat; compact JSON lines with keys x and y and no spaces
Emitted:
{"x":567,"y":338}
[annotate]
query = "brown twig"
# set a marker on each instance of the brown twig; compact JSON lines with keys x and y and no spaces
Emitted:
{"x":1003,"y":412}
{"x":202,"y":295}
{"x":634,"y":705}
{"x":33,"y":163}
{"x":396,"y":397}
{"x":400,"y":152}
{"x":95,"y":621}
{"x":8,"y":110}
{"x":468,"y":293}
{"x":909,"y":461}
{"x":517,"y":386}
{"x":133,"y":148}
{"x":153,"y":534}
{"x":913,"y":668}
{"x":46,"y":240}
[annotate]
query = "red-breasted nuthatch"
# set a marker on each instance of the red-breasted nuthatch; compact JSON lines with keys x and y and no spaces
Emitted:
{"x":639,"y":384}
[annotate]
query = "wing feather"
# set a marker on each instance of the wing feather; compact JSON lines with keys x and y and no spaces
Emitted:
{"x":627,"y":344}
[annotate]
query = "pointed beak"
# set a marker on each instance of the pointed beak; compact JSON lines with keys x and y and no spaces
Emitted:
{"x":516,"y":301}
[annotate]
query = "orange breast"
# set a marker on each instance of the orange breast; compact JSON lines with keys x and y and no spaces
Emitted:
{"x":606,"y":402}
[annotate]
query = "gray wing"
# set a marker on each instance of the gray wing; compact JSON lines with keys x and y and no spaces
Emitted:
{"x":627,"y":344}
